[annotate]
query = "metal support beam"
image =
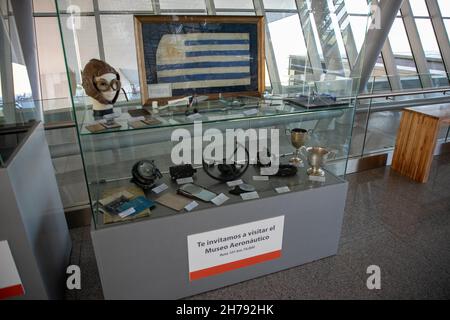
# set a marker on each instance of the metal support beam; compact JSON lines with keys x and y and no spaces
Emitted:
{"x":391,"y":66}
{"x":327,"y":37}
{"x":210,"y":8}
{"x":23,"y":14}
{"x":308,"y":34}
{"x":98,"y":26}
{"x":374,"y":42}
{"x":270,"y":53}
{"x":416,"y":45}
{"x":441,"y":32}
{"x":346,"y":32}
{"x":156,"y":7}
{"x":6,"y":71}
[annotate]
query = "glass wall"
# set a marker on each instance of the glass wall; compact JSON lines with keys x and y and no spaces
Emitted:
{"x":447,"y":25}
{"x":54,"y":83}
{"x":290,"y":52}
{"x":376,"y":131}
{"x":430,"y":45}
{"x":357,"y":11}
{"x":16,"y":96}
{"x":222,"y":5}
{"x":176,"y":5}
{"x":404,"y":58}
{"x":444,"y":6}
{"x":338,"y":29}
{"x":120,"y":5}
{"x":114,"y":34}
{"x":310,"y":39}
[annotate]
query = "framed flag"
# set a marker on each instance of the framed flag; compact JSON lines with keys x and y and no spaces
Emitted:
{"x":215,"y":56}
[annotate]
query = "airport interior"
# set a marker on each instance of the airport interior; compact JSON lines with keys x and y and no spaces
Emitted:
{"x":225,"y":150}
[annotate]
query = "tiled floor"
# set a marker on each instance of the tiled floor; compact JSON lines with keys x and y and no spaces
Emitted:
{"x":390,"y":221}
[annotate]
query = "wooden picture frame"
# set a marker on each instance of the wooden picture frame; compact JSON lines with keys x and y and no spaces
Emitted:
{"x":215,"y":56}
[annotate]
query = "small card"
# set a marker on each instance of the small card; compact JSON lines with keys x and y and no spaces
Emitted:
{"x":194,"y":116}
{"x":220,"y":199}
{"x":250,"y":195}
{"x":185,"y":180}
{"x":173,"y":201}
{"x":234,"y":183}
{"x":173,"y":122}
{"x":251,"y":112}
{"x":96,"y":127}
{"x":133,"y":119}
{"x":137,"y":124}
{"x":260,"y":178}
{"x":282,"y":190}
{"x":191,"y":206}
{"x":268,"y":171}
{"x":317,"y":179}
{"x":151,"y":121}
{"x":160,"y":188}
{"x":139,"y":113}
{"x":127,"y":213}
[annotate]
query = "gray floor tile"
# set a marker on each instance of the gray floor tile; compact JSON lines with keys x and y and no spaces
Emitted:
{"x":406,"y":273}
{"x":359,"y":222}
{"x":90,"y":280}
{"x":328,"y":278}
{"x":80,"y":234}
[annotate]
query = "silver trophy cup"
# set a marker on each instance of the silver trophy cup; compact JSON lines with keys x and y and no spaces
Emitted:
{"x":317,"y":158}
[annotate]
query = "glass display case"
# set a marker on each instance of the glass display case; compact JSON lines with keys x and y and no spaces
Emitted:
{"x":112,"y":145}
{"x":197,"y":146}
{"x":109,"y":155}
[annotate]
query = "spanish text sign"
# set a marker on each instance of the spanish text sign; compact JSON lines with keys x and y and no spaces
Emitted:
{"x":231,"y":248}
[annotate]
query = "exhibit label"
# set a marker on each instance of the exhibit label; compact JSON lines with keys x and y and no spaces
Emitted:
{"x":223,"y":250}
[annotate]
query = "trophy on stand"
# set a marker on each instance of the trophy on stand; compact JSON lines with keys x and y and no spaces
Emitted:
{"x":317,"y":157}
{"x":299,"y":138}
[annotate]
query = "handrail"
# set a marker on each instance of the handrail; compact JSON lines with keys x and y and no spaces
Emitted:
{"x":366,"y":96}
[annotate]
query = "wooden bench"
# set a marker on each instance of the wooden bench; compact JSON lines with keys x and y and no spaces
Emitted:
{"x":416,"y":140}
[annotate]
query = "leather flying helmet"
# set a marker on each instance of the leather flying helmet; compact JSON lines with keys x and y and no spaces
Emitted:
{"x":96,"y":68}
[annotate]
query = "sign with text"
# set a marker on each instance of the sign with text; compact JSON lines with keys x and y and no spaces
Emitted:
{"x":10,"y":283}
{"x":231,"y":248}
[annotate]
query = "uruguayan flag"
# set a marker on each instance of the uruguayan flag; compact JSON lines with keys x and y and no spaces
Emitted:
{"x":202,"y":60}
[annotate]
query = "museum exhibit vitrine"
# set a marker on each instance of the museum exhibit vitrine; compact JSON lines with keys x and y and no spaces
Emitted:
{"x":32,"y":218}
{"x":201,"y":149}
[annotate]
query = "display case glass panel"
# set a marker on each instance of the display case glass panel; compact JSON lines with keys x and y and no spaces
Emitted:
{"x":305,"y":127}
